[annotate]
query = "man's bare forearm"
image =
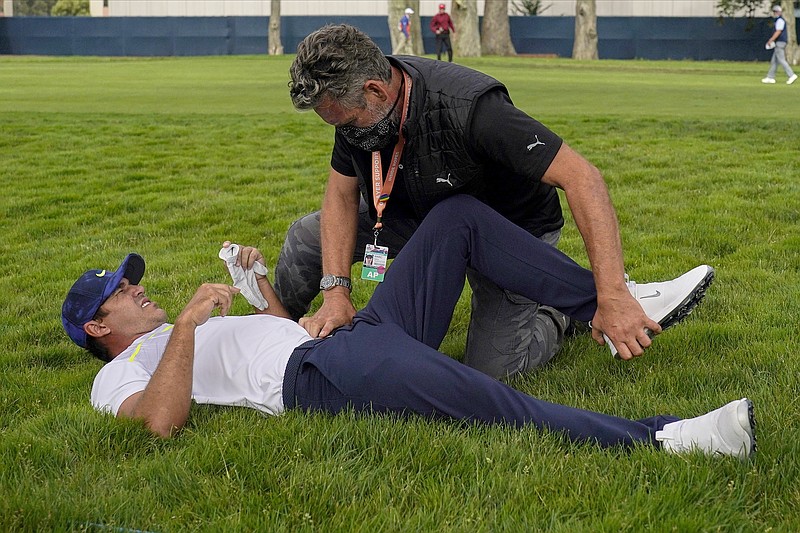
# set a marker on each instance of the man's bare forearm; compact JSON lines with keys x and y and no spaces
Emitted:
{"x":275,"y":306}
{"x":164,"y":405}
{"x":594,"y":215}
{"x":338,"y":226}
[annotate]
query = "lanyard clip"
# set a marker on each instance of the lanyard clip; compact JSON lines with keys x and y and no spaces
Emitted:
{"x":378,"y":228}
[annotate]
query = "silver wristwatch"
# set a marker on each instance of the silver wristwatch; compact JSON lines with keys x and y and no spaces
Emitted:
{"x":330,"y":281}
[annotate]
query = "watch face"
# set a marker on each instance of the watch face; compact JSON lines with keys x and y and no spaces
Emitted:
{"x":330,"y":281}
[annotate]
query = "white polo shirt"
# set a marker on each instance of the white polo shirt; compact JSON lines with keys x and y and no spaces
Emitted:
{"x":238,"y":361}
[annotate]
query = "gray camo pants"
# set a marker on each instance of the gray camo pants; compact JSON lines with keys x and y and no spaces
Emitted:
{"x":508,"y":333}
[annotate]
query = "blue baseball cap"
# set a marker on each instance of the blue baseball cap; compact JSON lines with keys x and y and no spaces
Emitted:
{"x":91,"y":290}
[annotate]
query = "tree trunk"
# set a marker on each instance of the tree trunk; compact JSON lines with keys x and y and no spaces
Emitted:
{"x":399,"y":45}
{"x":467,"y":40}
{"x":585,"y":30}
{"x":792,"y":50}
{"x":417,"y":31}
{"x":495,"y":32}
{"x":275,"y":47}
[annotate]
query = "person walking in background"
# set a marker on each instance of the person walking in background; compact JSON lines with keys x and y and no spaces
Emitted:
{"x":777,"y":43}
{"x":404,"y":43}
{"x":441,"y":26}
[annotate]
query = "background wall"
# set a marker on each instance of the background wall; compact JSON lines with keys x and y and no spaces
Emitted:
{"x":553,"y":8}
{"x":619,"y":37}
{"x":255,"y":8}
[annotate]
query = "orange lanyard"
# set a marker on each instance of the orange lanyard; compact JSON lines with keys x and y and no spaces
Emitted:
{"x":382,"y":189}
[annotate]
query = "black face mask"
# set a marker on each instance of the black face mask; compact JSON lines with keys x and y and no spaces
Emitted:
{"x":375,"y":137}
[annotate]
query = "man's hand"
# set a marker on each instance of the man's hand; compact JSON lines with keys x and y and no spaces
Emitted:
{"x":622,"y":319}
{"x":337,"y":310}
{"x":248,"y":256}
{"x":208,"y":297}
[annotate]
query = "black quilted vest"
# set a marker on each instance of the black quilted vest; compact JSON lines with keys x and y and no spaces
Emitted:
{"x":436,"y":162}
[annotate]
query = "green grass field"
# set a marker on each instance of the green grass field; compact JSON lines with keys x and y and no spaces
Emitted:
{"x":168,"y":157}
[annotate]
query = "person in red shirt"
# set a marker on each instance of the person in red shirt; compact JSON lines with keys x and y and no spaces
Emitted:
{"x":441,"y":26}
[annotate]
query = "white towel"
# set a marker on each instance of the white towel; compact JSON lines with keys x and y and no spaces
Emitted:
{"x":245,"y":280}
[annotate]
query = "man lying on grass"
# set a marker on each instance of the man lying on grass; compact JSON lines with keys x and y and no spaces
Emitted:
{"x":386,"y":361}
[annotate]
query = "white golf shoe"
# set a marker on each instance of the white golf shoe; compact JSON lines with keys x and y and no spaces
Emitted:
{"x":729,"y":430}
{"x":768,"y":80}
{"x":669,"y":302}
{"x":791,"y":79}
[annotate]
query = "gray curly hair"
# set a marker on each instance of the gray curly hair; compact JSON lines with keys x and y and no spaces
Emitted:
{"x":336,"y":60}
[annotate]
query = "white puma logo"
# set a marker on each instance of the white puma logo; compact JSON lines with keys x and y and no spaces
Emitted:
{"x":534,"y":145}
{"x":442,"y":180}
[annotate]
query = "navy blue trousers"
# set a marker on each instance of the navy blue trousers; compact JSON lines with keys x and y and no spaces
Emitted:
{"x":387,"y":361}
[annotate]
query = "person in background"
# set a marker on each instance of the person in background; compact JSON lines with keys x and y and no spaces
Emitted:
{"x":404,"y":46}
{"x":777,"y":43}
{"x":441,"y":26}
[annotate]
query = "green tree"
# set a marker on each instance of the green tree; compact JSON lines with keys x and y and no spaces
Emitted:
{"x":731,"y":8}
{"x":528,"y":8}
{"x":71,"y":8}
{"x":33,"y":8}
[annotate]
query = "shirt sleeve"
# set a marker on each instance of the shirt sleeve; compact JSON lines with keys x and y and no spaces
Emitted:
{"x":780,"y":25}
{"x":115,"y":383}
{"x":341,"y":158}
{"x":505,"y":136}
